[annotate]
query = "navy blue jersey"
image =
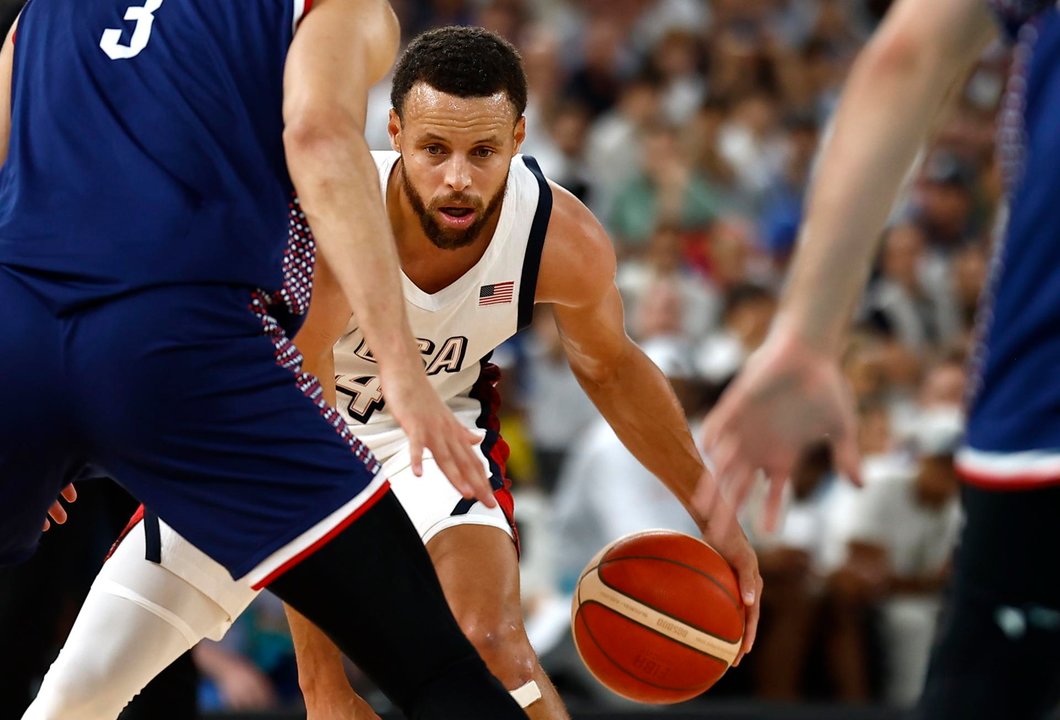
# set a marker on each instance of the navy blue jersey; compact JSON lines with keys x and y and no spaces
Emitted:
{"x":146,"y":145}
{"x":1014,"y":426}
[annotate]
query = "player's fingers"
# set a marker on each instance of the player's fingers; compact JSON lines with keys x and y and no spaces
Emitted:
{"x":478,"y":478}
{"x":474,"y":437}
{"x":57,"y":513}
{"x":416,"y":455}
{"x":742,"y":479}
{"x":847,"y":457}
{"x":713,"y":428}
{"x":751,"y":616}
{"x":722,"y":457}
{"x":69,"y":493}
{"x":455,"y":465}
{"x":449,"y":463}
{"x":46,"y":526}
{"x":774,"y":504}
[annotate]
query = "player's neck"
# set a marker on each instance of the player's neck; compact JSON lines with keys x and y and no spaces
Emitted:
{"x":428,"y":266}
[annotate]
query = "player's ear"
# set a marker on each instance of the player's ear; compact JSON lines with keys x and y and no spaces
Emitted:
{"x":520,"y":132}
{"x":393,"y":128}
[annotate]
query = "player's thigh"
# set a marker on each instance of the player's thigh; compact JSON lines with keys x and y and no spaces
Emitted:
{"x":213,"y":425}
{"x":434,"y":505}
{"x":184,"y":587}
{"x":37,"y":453}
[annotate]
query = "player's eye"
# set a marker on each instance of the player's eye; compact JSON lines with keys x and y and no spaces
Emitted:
{"x":434,"y":150}
{"x":483,"y":152}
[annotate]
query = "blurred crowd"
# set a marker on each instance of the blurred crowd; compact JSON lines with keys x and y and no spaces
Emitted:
{"x":690,"y":128}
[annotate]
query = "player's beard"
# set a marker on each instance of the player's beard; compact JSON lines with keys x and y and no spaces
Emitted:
{"x":446,"y":238}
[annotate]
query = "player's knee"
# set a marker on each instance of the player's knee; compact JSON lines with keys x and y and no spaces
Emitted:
{"x":502,"y":643}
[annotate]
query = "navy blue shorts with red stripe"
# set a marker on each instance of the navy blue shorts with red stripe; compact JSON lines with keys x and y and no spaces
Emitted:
{"x":192,"y":397}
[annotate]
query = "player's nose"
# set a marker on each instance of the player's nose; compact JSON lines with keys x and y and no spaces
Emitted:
{"x":457,"y":174}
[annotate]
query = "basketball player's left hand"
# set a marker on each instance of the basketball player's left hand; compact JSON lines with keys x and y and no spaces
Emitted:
{"x":57,"y":512}
{"x":787,"y":396}
{"x":723,"y":533}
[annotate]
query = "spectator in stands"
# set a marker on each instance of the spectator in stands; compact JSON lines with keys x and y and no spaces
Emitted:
{"x":557,"y":408}
{"x":667,"y":190}
{"x":919,"y":308}
{"x":664,"y":263}
{"x":796,"y":562}
{"x":945,"y":203}
{"x":903,"y":528}
{"x":749,"y":310}
{"x":970,"y":265}
{"x":615,"y":140}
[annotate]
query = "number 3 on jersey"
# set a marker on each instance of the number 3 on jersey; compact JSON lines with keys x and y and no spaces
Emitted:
{"x":143,"y":16}
{"x":365,"y":392}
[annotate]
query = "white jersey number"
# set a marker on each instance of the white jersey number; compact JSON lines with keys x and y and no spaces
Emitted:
{"x":365,"y":393}
{"x":144,"y":18}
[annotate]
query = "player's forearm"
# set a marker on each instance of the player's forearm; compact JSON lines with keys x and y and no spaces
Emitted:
{"x":639,"y":404}
{"x":896,"y":88}
{"x":320,"y":668}
{"x":338,"y":184}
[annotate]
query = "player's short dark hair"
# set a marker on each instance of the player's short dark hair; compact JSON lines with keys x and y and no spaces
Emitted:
{"x":463,"y":61}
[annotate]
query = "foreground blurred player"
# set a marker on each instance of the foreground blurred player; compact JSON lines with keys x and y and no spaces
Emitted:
{"x":146,"y":288}
{"x":482,"y":236}
{"x":999,"y":649}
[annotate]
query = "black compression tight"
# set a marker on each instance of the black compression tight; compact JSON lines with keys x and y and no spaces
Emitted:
{"x":997,"y":654}
{"x":374,"y":591}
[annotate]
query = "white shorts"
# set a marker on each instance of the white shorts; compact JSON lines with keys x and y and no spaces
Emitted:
{"x":432,"y":503}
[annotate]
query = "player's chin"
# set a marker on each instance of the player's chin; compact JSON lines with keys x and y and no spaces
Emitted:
{"x":449,"y":239}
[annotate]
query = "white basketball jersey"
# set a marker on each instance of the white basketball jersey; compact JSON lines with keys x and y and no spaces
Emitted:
{"x":459,"y":326}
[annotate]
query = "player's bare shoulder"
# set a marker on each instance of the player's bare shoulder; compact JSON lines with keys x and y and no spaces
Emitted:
{"x":578,"y":260}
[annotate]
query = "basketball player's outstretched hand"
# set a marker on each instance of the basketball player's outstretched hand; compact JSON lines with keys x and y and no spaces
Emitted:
{"x":430,"y":424}
{"x":57,"y":512}
{"x":787,"y":396}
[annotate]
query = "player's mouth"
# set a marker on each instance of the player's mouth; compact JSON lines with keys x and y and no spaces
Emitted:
{"x":458,"y":216}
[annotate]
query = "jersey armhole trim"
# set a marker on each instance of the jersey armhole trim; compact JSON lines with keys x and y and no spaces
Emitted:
{"x":534,"y":245}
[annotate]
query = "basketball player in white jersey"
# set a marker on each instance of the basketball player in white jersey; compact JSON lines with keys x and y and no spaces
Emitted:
{"x":482,"y":236}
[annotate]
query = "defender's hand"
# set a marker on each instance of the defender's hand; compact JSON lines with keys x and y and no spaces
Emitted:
{"x":786,"y":397}
{"x":57,"y":512}
{"x":430,"y":424}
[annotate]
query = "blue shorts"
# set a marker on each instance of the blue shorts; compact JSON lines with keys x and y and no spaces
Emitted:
{"x":192,"y":397}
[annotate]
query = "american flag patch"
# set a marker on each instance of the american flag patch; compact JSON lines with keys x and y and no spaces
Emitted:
{"x":496,"y":294}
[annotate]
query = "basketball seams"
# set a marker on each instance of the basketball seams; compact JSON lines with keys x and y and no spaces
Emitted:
{"x":715,"y":646}
{"x":654,"y":631}
{"x":736,"y":604}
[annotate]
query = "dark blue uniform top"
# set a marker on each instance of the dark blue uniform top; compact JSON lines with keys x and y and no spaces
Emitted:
{"x":146,"y":145}
{"x":1016,"y":401}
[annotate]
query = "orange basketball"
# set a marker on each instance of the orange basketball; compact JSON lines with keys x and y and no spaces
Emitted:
{"x":657,"y":616}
